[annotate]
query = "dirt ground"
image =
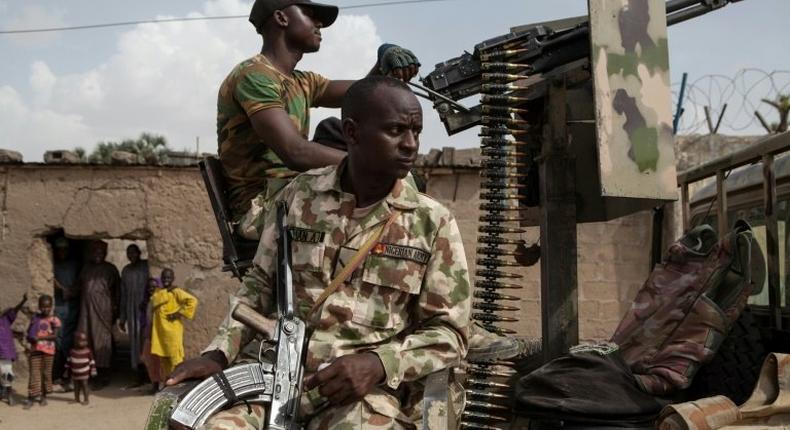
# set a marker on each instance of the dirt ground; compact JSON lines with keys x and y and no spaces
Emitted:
{"x":110,"y":408}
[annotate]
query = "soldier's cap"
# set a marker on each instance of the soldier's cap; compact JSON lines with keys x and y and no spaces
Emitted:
{"x":263,"y":9}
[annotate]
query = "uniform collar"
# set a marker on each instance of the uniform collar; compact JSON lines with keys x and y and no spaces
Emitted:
{"x":403,"y":195}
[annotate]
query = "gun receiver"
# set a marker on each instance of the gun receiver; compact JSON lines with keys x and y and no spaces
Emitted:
{"x":278,"y":384}
{"x":527,"y":51}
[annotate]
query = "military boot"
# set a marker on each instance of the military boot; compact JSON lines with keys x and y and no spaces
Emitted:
{"x":487,"y":346}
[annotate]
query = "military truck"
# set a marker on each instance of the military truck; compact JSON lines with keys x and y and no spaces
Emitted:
{"x":752,"y":184}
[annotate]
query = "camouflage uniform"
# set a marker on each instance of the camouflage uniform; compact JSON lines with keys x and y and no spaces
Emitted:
{"x":252,"y":169}
{"x":408,"y":302}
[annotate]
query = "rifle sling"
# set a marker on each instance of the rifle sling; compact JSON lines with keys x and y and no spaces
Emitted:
{"x":356,"y":260}
{"x":227,"y":390}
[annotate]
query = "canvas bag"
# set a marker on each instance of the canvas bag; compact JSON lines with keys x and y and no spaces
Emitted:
{"x":683,"y":312}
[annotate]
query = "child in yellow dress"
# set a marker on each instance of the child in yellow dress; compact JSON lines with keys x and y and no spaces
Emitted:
{"x":170,"y":304}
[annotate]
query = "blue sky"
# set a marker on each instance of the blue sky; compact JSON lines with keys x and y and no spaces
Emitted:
{"x":66,"y":89}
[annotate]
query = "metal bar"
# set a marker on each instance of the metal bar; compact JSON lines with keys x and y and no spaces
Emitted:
{"x":721,"y":117}
{"x":684,"y":206}
{"x":772,"y":144}
{"x":772,"y":241}
{"x":679,"y":109}
{"x":558,"y":272}
{"x":721,"y":203}
{"x":708,"y":119}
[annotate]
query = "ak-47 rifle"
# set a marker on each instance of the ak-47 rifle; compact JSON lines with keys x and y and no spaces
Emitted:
{"x":527,"y":51}
{"x":278,"y":384}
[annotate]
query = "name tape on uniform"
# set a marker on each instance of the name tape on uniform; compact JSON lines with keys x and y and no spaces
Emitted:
{"x":402,"y":252}
{"x":305,"y":235}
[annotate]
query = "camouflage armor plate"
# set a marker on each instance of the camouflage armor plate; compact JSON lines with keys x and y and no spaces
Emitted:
{"x":632,"y":98}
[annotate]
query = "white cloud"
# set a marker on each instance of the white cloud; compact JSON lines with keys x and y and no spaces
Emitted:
{"x":32,"y":17}
{"x":161,"y":78}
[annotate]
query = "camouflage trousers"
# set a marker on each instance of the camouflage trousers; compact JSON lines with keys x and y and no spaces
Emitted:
{"x":358,"y":415}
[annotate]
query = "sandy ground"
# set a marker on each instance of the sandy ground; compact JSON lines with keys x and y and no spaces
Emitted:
{"x":110,"y":408}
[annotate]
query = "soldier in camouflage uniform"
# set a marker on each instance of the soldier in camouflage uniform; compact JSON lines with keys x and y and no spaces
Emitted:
{"x":263,"y":106}
{"x":401,"y":315}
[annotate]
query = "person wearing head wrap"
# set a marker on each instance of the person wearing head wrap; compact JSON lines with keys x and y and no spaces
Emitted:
{"x":99,"y":284}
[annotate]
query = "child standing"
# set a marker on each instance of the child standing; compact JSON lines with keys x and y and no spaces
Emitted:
{"x":80,"y":366}
{"x":42,"y":333}
{"x":170,"y":304}
{"x":8,"y":351}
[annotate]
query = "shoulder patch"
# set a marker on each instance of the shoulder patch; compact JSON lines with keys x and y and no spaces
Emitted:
{"x":305,"y":235}
{"x":402,"y":252}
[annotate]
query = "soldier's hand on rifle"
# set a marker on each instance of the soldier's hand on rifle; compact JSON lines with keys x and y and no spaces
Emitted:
{"x":348,"y":379}
{"x":198,"y":367}
{"x":397,"y":62}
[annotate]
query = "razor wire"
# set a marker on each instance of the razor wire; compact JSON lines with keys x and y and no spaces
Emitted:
{"x":738,"y":97}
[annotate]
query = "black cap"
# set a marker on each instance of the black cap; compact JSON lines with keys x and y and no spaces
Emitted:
{"x":263,"y":9}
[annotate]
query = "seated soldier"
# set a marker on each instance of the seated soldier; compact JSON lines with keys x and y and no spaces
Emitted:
{"x":263,"y":106}
{"x":401,"y":315}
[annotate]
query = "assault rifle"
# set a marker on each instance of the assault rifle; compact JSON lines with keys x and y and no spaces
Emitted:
{"x":527,"y":51}
{"x":278,"y":384}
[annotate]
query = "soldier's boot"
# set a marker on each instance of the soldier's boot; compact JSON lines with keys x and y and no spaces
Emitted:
{"x":487,"y":346}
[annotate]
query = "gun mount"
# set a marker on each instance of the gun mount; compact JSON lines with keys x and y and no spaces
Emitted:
{"x":527,"y":51}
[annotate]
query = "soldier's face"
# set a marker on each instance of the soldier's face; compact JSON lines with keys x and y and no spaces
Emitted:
{"x":304,"y":29}
{"x":387,"y":138}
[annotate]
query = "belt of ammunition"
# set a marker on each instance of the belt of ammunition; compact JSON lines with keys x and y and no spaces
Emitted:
{"x":495,"y":262}
{"x":497,"y":152}
{"x":499,"y":174}
{"x":502,"y":99}
{"x":486,"y":373}
{"x":496,"y":240}
{"x":498,"y":207}
{"x":488,"y":317}
{"x":501,"y":185}
{"x":502,"y":196}
{"x":496,"y":252}
{"x":495,"y":164}
{"x":498,"y":330}
{"x":496,"y":285}
{"x":486,"y":306}
{"x":489,"y":384}
{"x":488,"y":418}
{"x":476,"y":426}
{"x":501,"y":218}
{"x":502,"y":110}
{"x":503,"y":67}
{"x":490,"y":295}
{"x":475,"y":404}
{"x":502,"y":77}
{"x":491,"y":89}
{"x":495,"y":229}
{"x":487,"y":273}
{"x":499,"y":131}
{"x":513,"y":122}
{"x":502,"y":54}
{"x":486,"y":394}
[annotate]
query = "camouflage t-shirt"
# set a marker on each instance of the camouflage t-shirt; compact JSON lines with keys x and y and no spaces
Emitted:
{"x":408,"y":302}
{"x":254,"y":85}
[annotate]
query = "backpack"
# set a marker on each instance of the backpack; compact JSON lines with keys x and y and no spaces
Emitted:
{"x":686,"y":308}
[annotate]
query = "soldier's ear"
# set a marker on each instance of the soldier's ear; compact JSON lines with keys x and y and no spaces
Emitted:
{"x":281,"y":18}
{"x":350,"y":131}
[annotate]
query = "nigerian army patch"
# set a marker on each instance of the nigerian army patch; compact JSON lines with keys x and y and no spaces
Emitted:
{"x":305,"y":235}
{"x":402,"y":252}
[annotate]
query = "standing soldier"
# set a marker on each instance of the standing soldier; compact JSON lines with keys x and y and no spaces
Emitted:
{"x":402,"y":314}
